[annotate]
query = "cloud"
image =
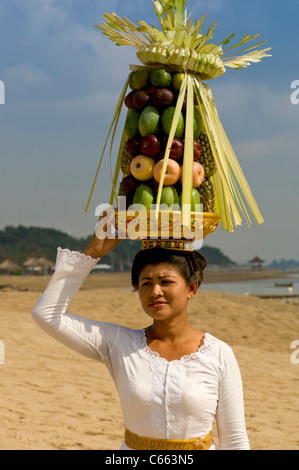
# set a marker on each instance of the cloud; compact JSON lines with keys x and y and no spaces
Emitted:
{"x":57,"y":53}
{"x":26,"y":75}
{"x":249,"y":108}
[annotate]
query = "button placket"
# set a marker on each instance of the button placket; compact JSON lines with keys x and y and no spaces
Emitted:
{"x":174,"y":380}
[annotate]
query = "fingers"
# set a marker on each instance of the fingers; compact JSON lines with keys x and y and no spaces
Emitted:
{"x":105,"y":225}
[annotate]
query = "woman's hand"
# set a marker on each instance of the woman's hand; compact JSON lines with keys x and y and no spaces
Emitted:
{"x":103,"y":241}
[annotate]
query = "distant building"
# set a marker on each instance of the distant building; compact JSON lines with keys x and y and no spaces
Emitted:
{"x":256,"y":262}
{"x":102,"y":267}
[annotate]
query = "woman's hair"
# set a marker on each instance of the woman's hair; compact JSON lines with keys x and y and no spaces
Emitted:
{"x":189,"y":264}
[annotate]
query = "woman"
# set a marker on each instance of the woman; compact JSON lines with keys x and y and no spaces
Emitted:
{"x":172,"y":380}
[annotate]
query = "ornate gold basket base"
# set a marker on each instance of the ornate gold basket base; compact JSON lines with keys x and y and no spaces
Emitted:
{"x":142,"y":225}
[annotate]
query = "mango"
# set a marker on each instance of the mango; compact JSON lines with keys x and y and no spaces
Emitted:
{"x":149,"y":122}
{"x":170,"y":197}
{"x":167,"y":118}
{"x":131,"y":124}
{"x":140,"y":79}
{"x":144,"y":195}
{"x":197,"y":123}
{"x":131,"y":82}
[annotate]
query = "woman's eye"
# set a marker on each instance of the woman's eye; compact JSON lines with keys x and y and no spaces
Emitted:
{"x":163,"y":282}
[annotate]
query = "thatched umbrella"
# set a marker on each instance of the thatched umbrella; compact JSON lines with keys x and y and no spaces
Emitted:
{"x":31,"y":263}
{"x":9,"y":266}
{"x":45,"y":263}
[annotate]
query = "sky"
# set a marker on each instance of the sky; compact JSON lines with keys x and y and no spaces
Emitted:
{"x":62,"y":81}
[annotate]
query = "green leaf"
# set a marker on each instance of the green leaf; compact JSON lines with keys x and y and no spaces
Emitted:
{"x":114,"y":192}
{"x":115,"y":117}
{"x":228,"y":194}
{"x":187,"y":178}
{"x":178,"y":110}
{"x":227,"y":40}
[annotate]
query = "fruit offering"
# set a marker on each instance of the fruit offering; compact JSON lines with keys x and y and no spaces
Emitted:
{"x":151,"y":111}
{"x":174,"y":147}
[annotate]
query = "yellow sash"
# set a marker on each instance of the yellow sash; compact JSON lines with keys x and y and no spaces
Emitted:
{"x":148,"y":443}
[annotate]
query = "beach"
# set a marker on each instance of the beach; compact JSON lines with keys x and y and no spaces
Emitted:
{"x":54,"y":399}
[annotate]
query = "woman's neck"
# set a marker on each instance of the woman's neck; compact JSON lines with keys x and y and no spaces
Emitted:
{"x":171,"y":332}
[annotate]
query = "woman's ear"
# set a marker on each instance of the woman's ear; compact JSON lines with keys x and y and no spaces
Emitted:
{"x":193,"y":288}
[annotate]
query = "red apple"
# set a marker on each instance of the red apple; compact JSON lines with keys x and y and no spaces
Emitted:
{"x":133,"y":145}
{"x":142,"y":167}
{"x":172,"y":174}
{"x":197,"y":150}
{"x":150,"y":145}
{"x":198,"y":174}
{"x":176,"y":150}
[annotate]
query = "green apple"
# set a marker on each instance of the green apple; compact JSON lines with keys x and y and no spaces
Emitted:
{"x":195,"y":199}
{"x":169,"y":196}
{"x":144,"y":195}
{"x":161,"y":78}
{"x":177,"y":80}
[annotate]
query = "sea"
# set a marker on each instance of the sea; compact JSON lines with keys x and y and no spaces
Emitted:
{"x":271,"y":287}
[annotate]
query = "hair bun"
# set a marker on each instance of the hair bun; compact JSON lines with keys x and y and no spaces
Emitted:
{"x":197,"y":264}
{"x":201,"y":262}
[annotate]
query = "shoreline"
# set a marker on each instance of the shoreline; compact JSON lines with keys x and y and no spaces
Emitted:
{"x":122,"y":280}
{"x":239,"y":275}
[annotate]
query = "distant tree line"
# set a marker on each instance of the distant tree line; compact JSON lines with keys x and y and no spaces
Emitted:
{"x":20,"y":243}
{"x":285,"y":264}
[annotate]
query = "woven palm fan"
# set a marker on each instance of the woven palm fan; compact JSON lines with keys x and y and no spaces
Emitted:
{"x":181,"y":52}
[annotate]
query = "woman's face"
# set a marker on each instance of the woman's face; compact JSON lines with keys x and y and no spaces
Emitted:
{"x":163,"y":291}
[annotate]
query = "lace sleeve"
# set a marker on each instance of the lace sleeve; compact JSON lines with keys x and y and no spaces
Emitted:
{"x":71,"y":270}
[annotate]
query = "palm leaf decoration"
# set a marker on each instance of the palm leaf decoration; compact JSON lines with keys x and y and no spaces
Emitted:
{"x":181,"y":46}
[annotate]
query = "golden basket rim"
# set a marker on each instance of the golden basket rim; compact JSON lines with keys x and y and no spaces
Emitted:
{"x":206,"y":215}
{"x":210,"y":221}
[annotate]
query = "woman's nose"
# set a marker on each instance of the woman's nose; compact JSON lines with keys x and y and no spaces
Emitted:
{"x":156,"y":291}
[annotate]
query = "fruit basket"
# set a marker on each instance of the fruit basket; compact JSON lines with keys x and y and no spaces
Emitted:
{"x":144,"y":225}
{"x":174,"y":154}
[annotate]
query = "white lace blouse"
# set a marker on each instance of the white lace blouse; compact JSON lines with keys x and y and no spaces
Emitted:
{"x":159,"y":399}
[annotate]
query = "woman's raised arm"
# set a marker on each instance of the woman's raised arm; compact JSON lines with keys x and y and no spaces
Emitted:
{"x":103,"y":240}
{"x":88,"y":337}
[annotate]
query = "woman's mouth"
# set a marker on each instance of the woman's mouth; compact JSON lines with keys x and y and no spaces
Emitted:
{"x":157,"y":304}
